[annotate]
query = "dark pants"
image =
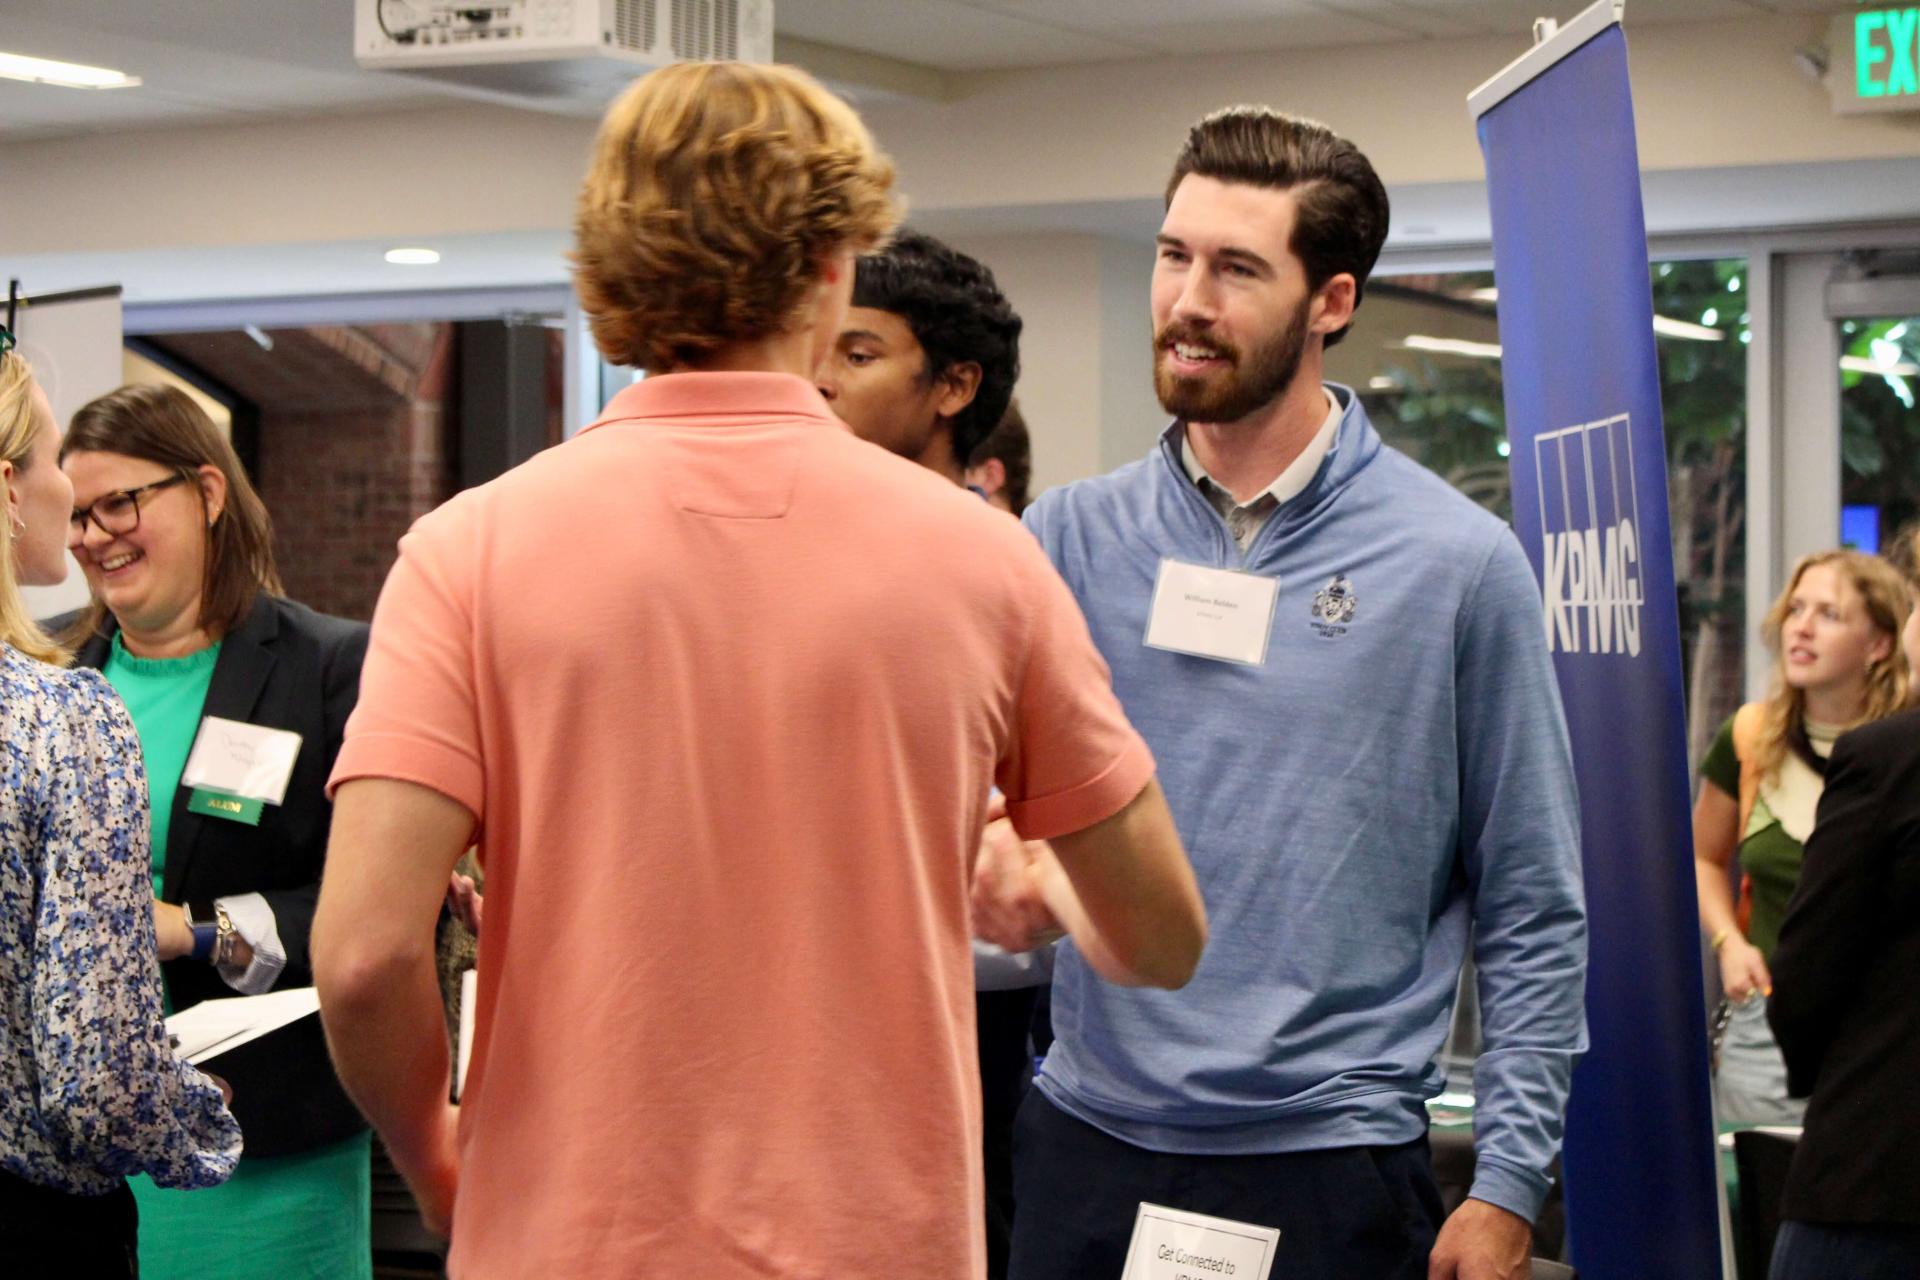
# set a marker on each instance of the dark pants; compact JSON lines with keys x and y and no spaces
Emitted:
{"x":1813,"y":1251}
{"x":1354,"y":1213}
{"x":1006,"y":1070}
{"x":51,"y":1233}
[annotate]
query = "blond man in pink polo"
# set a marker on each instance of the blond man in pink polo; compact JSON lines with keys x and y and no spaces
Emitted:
{"x":720,"y":697}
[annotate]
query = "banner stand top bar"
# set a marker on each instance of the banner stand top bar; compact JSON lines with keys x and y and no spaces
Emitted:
{"x":1517,"y":74}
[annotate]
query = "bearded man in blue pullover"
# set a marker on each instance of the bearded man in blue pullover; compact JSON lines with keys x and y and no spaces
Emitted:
{"x":1345,"y":680}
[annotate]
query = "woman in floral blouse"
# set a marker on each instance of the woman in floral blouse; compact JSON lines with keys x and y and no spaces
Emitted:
{"x":90,"y":1091}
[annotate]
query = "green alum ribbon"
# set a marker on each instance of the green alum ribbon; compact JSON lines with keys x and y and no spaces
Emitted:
{"x":218,"y":804}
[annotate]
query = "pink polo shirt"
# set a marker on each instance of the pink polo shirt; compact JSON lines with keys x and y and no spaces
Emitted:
{"x":726,"y":689}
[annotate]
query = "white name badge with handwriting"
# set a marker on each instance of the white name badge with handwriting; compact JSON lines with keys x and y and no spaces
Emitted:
{"x":1212,"y":613}
{"x":1172,"y":1244}
{"x":239,"y":759}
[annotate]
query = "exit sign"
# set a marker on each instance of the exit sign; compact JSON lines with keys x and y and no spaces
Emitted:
{"x":1875,"y":60}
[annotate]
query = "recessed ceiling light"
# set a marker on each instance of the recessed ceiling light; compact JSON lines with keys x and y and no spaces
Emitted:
{"x":413,"y":257}
{"x":68,"y":75}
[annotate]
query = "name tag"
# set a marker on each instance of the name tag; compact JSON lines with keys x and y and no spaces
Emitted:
{"x":1172,"y":1244}
{"x":247,"y":761}
{"x":1212,"y":613}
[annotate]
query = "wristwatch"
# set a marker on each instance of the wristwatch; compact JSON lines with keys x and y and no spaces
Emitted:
{"x":206,"y":937}
{"x":213,"y":933}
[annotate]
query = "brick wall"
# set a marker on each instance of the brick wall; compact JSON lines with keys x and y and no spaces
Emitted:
{"x":345,"y":480}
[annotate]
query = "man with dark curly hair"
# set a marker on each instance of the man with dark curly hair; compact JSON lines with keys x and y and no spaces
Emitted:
{"x":926,"y":362}
{"x":925,"y":368}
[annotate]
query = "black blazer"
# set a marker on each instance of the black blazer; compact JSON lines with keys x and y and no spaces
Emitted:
{"x":286,"y":667}
{"x":1845,"y":1006}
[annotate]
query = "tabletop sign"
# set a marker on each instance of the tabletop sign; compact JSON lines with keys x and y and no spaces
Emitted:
{"x":1172,"y":1244}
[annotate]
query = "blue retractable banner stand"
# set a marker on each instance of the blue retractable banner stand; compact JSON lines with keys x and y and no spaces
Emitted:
{"x":1590,"y":504}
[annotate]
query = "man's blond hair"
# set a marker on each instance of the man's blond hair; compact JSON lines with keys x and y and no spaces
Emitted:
{"x":715,"y":192}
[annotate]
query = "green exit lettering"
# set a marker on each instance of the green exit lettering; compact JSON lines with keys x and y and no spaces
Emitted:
{"x":1888,"y":38}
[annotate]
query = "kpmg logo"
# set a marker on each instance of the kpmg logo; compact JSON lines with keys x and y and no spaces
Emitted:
{"x":1590,"y":516}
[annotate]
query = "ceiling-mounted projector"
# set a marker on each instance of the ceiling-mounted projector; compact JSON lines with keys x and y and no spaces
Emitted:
{"x":554,"y":55}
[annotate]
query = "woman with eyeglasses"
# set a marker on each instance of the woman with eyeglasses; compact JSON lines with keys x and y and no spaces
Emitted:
{"x":240,"y":697}
{"x":90,"y":1090}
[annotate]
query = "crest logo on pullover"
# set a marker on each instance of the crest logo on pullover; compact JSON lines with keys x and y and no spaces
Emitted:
{"x":1590,"y":516}
{"x":1334,"y":606}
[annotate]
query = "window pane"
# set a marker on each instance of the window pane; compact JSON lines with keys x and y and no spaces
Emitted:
{"x":1879,"y":428}
{"x":1425,"y":357}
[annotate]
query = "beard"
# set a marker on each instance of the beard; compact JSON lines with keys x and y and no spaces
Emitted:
{"x":1245,"y":386}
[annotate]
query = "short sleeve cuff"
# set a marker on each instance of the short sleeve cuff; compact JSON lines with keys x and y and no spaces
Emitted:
{"x":1099,"y":798}
{"x":433,"y":765}
{"x":1509,"y":1187}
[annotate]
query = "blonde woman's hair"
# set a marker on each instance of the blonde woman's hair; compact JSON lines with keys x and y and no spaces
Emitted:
{"x":1884,"y":595}
{"x":1902,"y":551}
{"x":715,"y":191}
{"x":17,"y":430}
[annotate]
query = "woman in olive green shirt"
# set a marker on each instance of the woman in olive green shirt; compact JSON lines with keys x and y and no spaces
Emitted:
{"x":1834,"y":634}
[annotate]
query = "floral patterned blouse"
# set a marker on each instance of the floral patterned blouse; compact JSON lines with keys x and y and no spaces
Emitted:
{"x":90,"y":1090}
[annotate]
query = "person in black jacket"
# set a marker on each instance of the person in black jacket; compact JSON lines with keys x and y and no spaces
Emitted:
{"x":1844,"y":1012}
{"x":189,"y":625}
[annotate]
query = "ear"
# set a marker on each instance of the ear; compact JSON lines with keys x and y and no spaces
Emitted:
{"x":1882,"y":649}
{"x":990,"y":476}
{"x":959,"y":384}
{"x":213,"y":491}
{"x":13,"y":495}
{"x":1334,"y":304}
{"x":835,"y":265}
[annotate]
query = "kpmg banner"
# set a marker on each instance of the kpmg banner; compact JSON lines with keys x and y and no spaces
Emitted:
{"x":1590,"y":505}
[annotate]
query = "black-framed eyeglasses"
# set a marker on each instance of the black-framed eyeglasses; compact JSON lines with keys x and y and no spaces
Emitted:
{"x":117,"y":512}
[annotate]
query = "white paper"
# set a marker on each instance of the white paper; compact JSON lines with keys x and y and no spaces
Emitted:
{"x":245,"y":760}
{"x":1172,"y":1244}
{"x":213,"y":1027}
{"x":469,"y":992}
{"x":1212,"y":613}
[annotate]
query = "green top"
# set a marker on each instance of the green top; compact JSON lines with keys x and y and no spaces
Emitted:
{"x":164,"y":697}
{"x":1770,"y":853}
{"x":1721,"y":764}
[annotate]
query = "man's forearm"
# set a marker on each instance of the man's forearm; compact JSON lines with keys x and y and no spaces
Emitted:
{"x":386,"y":1028}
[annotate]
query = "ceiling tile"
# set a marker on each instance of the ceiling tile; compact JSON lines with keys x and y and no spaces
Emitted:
{"x":1411,"y":16}
{"x":1302,"y":31}
{"x":947,"y":34}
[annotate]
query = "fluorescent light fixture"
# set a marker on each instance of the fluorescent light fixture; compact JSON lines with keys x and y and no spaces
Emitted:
{"x":1860,"y":364}
{"x":1383,"y":382}
{"x":1451,"y":346}
{"x":68,"y":75}
{"x":1667,"y":327}
{"x":413,"y":257}
{"x":1662,"y":325}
